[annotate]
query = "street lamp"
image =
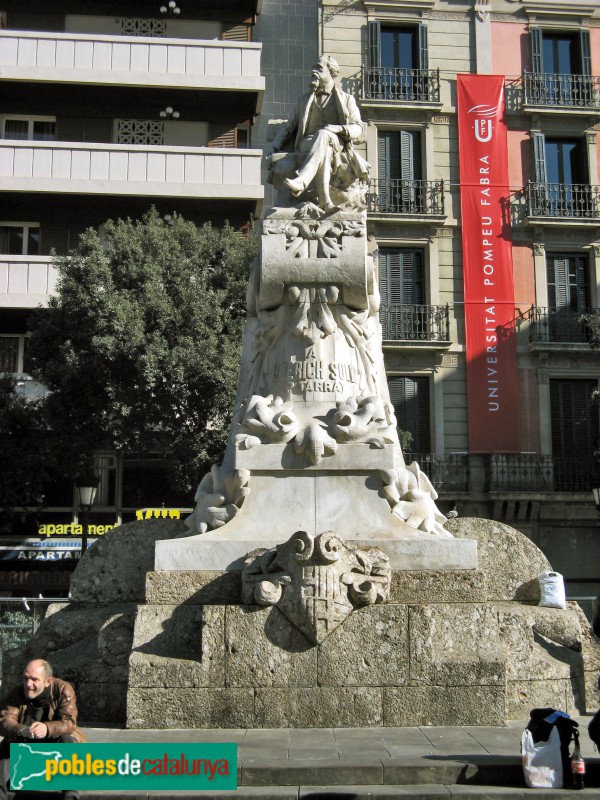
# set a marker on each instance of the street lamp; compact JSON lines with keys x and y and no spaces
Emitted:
{"x":87,"y":486}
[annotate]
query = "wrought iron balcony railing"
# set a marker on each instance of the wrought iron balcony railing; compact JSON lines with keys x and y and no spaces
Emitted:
{"x":401,"y":85}
{"x":562,"y":91}
{"x":398,"y":196}
{"x":532,"y":472}
{"x":415,"y":323}
{"x":447,"y":472}
{"x":563,"y":200}
{"x":558,"y":325}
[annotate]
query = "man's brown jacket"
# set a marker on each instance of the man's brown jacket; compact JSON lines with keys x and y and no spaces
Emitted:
{"x":61,"y":715}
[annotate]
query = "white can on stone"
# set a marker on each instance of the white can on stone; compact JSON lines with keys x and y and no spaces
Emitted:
{"x":552,"y":588}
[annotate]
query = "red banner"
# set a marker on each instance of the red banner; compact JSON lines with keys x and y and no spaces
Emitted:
{"x":492,"y":380}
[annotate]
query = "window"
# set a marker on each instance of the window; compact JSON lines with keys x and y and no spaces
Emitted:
{"x":410,"y":398}
{"x":10,"y":352}
{"x":401,"y":285}
{"x":574,"y":419}
{"x":398,"y":64}
{"x":13,"y":353}
{"x":568,"y":296}
{"x":29,"y":129}
{"x":568,"y":285}
{"x":19,"y":239}
{"x":400,"y":188}
{"x":105,"y":466}
{"x":562,"y":68}
{"x":561,"y":174}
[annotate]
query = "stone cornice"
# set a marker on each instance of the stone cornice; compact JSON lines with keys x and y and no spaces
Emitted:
{"x":399,"y":5}
{"x":570,"y":8}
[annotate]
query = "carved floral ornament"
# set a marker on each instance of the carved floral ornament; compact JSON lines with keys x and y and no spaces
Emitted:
{"x":316,"y":582}
{"x":325,"y":234}
{"x":271,"y":420}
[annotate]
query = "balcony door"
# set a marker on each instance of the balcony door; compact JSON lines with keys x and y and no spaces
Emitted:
{"x":399,"y":168}
{"x":575,"y":429}
{"x":410,"y":398}
{"x":562,"y":60}
{"x":562,"y":175}
{"x":402,"y":289}
{"x":398,"y":61}
{"x":568,"y":295}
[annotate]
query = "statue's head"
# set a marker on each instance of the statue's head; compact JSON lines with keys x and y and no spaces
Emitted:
{"x":324,"y":72}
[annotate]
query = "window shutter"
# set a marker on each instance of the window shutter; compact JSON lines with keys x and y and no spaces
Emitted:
{"x":558,"y":281}
{"x":423,"y":46}
{"x":539,"y":157}
{"x":410,"y":398}
{"x":236,"y":33}
{"x":407,"y":157}
{"x":574,"y":419}
{"x":384,"y":276}
{"x":586,"y":53}
{"x":581,"y":271}
{"x":374,"y":43}
{"x":535,"y":35}
{"x":221,"y":135}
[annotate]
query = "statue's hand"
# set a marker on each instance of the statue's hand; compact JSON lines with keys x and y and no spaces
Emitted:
{"x":334,"y":128}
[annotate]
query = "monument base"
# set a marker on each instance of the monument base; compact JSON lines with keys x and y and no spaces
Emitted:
{"x":227,"y":551}
{"x":158,"y":649}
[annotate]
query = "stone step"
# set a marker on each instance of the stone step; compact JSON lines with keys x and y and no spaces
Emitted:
{"x":478,"y":771}
{"x":478,"y":777}
{"x":356,"y":792}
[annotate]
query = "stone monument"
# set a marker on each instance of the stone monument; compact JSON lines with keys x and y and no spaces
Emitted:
{"x":313,"y":444}
{"x":316,"y":583}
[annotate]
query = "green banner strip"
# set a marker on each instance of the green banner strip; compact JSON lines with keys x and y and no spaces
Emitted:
{"x":120,"y":767}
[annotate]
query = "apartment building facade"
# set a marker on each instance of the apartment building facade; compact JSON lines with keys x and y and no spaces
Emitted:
{"x":106,"y":110}
{"x":402,"y":59}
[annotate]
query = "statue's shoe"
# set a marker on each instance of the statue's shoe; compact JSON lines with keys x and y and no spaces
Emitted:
{"x":295,"y":185}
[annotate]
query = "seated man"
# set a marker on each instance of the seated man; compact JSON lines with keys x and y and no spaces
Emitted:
{"x":324,"y":126}
{"x":41,"y":709}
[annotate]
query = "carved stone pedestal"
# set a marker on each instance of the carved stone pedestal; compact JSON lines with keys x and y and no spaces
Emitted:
{"x":201,"y":649}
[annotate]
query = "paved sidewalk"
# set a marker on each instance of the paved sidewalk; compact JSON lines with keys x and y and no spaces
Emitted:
{"x":454,"y":763}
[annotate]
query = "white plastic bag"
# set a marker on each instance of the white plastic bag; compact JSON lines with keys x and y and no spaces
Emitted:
{"x":542,"y":763}
{"x":552,"y":588}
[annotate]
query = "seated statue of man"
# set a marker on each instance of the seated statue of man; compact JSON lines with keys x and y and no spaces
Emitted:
{"x":41,"y":709}
{"x":324,"y":127}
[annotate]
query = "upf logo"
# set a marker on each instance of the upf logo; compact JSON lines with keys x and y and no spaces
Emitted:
{"x":483,"y":124}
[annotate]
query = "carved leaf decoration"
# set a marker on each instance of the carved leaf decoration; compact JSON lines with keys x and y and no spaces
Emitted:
{"x":246,"y":442}
{"x":314,"y":443}
{"x":220,"y":515}
{"x":362,"y":562}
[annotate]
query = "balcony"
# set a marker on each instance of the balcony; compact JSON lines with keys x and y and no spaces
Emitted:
{"x":131,"y":61}
{"x":410,"y":86}
{"x":406,"y":198}
{"x":531,"y":472}
{"x":139,"y":170}
{"x":563,"y":202}
{"x":558,"y":325}
{"x":447,"y":473}
{"x":415,"y":323}
{"x":26,"y":281}
{"x":565,"y":92}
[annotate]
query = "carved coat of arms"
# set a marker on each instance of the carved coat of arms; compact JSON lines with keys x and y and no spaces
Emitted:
{"x":316,"y":582}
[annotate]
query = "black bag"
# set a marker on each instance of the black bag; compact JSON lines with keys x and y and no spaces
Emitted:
{"x":541,"y":722}
{"x":594,"y":729}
